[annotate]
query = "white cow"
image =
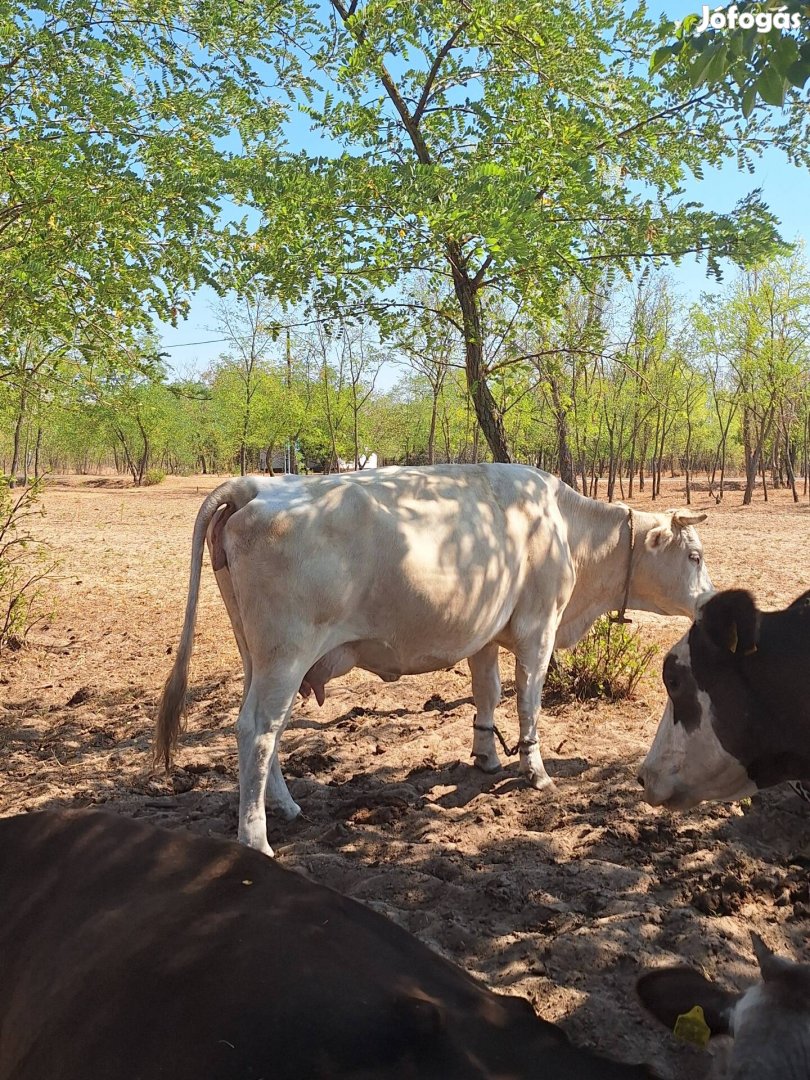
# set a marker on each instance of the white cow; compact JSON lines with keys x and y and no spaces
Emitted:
{"x":407,"y":570}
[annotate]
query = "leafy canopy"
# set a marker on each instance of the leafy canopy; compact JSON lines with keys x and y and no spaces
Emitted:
{"x":768,"y":61}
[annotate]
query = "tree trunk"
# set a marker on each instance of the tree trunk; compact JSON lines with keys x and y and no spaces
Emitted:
{"x":790,"y":473}
{"x":687,"y":463}
{"x":754,"y":443}
{"x":128,"y":457}
{"x":18,"y":423}
{"x":567,"y":474}
{"x":39,"y":444}
{"x":431,"y":447}
{"x":144,"y":461}
{"x":486,"y":408}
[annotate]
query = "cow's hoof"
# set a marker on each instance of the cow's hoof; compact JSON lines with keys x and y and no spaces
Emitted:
{"x":541,"y":782}
{"x":257,"y":845}
{"x":488,"y":763}
{"x":289,"y":811}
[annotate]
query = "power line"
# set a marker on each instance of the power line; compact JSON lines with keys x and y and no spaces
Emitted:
{"x":188,"y":344}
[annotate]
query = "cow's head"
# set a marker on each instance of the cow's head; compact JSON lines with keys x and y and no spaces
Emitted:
{"x":770,"y":1022}
{"x":669,"y":574}
{"x":694,"y":756}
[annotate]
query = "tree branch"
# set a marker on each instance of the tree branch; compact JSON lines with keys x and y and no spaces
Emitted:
{"x":434,"y":71}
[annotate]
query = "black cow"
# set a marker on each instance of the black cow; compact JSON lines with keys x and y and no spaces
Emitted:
{"x":770,"y":1022}
{"x":738,"y":714}
{"x":128,"y":952}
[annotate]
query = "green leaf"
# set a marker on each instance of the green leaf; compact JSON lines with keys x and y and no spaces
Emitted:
{"x":749,"y":100}
{"x":797,"y":74}
{"x":687,"y":25}
{"x":785,"y":54}
{"x":703,"y":65}
{"x":771,"y":87}
{"x":660,"y":57}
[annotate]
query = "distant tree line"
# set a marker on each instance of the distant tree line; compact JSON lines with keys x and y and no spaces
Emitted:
{"x":477,"y":180}
{"x":617,"y":390}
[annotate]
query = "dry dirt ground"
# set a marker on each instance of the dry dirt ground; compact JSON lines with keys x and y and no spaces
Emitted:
{"x":562,"y":899}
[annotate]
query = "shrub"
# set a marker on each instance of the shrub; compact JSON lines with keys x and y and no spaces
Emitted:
{"x":608,"y":663}
{"x":152,"y":477}
{"x":24,"y":564}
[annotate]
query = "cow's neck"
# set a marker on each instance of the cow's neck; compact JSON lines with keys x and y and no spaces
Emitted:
{"x":599,"y":542}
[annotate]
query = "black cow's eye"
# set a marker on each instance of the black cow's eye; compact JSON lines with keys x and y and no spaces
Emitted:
{"x":672,"y":675}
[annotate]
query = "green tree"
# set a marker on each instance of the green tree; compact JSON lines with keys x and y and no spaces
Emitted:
{"x":111,"y":165}
{"x":492,"y":145}
{"x":761,"y":329}
{"x":750,"y":51}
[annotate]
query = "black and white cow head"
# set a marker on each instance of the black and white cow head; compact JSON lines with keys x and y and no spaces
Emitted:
{"x":737,"y":716}
{"x":770,"y":1022}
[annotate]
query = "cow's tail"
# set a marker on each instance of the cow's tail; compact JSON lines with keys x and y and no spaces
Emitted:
{"x":234,"y":494}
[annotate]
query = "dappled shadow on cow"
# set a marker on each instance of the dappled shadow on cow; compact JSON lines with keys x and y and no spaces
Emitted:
{"x":408,"y":570}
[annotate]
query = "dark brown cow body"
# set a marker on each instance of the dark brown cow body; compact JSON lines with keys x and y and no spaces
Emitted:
{"x":133,"y":953}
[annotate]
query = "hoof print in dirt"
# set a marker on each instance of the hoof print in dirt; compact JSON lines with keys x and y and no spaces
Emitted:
{"x":723,"y":894}
{"x":182,"y":781}
{"x":200,"y":768}
{"x":309,"y":764}
{"x":381,"y":806}
{"x":337,"y":833}
{"x":435,"y":703}
{"x":82,"y":694}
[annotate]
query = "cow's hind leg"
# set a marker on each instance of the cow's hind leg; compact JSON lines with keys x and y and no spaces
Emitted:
{"x":486,"y":687}
{"x":530,"y":674}
{"x":262,"y":719}
{"x":278,"y":795}
{"x":225,"y":584}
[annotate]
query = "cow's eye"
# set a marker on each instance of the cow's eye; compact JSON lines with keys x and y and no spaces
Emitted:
{"x":694,"y":556}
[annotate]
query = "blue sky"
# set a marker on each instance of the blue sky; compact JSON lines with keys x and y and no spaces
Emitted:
{"x":785,"y":188}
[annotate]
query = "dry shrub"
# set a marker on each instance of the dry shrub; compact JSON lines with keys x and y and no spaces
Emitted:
{"x":152,"y":477}
{"x":607,"y":663}
{"x":24,"y":564}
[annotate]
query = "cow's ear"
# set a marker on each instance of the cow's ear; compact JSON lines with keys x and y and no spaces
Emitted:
{"x":422,"y":1013}
{"x":658,"y":537}
{"x":682,"y":518}
{"x":771,"y":966}
{"x":801,"y":601}
{"x":729,"y":619}
{"x":674,"y":992}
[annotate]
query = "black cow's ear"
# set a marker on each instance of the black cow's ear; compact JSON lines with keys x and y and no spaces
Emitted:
{"x":730,"y":621}
{"x":672,"y":993}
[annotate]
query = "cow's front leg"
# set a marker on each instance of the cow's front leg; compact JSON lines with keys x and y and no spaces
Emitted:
{"x":486,"y":687}
{"x":530,"y":674}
